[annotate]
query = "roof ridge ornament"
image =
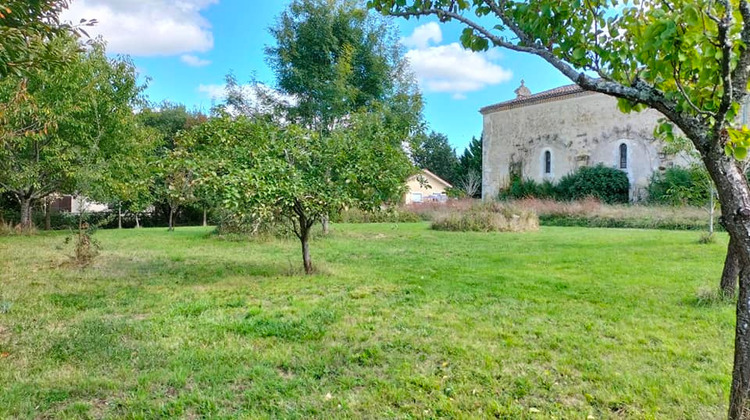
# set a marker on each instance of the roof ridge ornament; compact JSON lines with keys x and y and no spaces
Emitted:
{"x":522,"y":91}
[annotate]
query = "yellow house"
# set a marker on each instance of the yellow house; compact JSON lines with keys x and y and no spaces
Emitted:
{"x":425,"y":187}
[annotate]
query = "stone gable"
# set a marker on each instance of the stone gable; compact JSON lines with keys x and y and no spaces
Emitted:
{"x":547,"y":135}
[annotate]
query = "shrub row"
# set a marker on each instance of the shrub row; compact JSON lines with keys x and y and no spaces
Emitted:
{"x":626,"y":223}
{"x":582,"y":213}
{"x":608,"y":185}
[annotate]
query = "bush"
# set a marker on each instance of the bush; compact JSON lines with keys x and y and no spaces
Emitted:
{"x":678,"y":186}
{"x":608,"y":185}
{"x":493,"y":217}
{"x":528,"y":188}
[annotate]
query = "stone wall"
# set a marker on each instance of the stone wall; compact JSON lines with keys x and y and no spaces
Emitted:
{"x":578,"y":129}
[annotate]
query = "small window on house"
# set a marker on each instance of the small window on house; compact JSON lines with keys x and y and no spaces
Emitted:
{"x":416,"y":197}
{"x":547,"y":162}
{"x":623,"y":156}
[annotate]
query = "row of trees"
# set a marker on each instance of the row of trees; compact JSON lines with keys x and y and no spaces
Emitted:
{"x":333,"y":135}
{"x":71,"y":127}
{"x":83,"y":127}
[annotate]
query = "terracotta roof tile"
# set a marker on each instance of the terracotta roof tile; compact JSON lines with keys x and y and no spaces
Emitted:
{"x":535,"y":98}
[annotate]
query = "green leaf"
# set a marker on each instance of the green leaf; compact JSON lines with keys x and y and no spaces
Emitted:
{"x":740,"y":152}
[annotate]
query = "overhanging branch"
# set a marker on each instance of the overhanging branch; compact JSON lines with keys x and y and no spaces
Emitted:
{"x":639,"y":91}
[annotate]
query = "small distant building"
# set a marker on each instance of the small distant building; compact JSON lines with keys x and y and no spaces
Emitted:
{"x":76,"y":205}
{"x":426,"y":187}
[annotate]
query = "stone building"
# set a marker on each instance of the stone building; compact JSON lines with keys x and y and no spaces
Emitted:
{"x":547,"y":135}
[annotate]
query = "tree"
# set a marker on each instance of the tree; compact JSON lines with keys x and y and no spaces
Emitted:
{"x":26,"y":29}
{"x":63,"y":128}
{"x":168,"y":119}
{"x":470,"y":168}
{"x":434,"y":153}
{"x":129,"y":182}
{"x":289,"y":174}
{"x":687,"y":59}
{"x":471,"y":184}
{"x":171,"y":184}
{"x":335,"y":58}
{"x":177,"y":181}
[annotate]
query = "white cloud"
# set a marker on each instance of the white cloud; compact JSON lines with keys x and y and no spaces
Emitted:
{"x":423,"y":35}
{"x":194,"y":61}
{"x":451,"y":68}
{"x":258,"y":95}
{"x":147,"y":27}
{"x":217,"y":92}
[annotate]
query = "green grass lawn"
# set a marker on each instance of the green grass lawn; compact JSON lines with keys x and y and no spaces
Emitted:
{"x":401,"y":322}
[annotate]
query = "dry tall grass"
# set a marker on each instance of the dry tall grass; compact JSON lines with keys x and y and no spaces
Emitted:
{"x":9,"y":228}
{"x":595,"y":214}
{"x":588,"y":213}
{"x":490,"y":217}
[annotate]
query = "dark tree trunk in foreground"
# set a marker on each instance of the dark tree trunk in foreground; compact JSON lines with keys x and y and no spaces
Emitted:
{"x":731,"y":272}
{"x":734,"y":196}
{"x":739,"y":403}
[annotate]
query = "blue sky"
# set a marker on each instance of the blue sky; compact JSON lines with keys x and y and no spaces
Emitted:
{"x":185,"y":47}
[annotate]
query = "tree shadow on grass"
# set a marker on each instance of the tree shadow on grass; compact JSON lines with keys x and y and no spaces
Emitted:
{"x":194,"y":270}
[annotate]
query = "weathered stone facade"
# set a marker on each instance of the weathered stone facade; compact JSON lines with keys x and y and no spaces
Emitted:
{"x":550,"y":134}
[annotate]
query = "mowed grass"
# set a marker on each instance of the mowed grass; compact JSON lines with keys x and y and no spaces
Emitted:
{"x":400,"y":322}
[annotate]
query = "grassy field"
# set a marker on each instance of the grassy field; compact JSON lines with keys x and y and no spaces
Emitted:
{"x":401,"y":322}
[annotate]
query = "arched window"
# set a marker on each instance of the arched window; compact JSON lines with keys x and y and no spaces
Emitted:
{"x":623,"y":156}
{"x":547,"y":162}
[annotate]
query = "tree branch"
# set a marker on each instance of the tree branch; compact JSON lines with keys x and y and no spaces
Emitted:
{"x":639,"y":91}
{"x":741,"y":73}
{"x":726,"y":73}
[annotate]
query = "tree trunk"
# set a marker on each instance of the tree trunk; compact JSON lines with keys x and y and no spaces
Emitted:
{"x":26,"y":222}
{"x":305,"y":239}
{"x":205,"y":219}
{"x":119,"y":216}
{"x":171,"y":218}
{"x":711,"y":212}
{"x":734,"y":198}
{"x":731,"y":270}
{"x":739,"y":402}
{"x":325,"y":222}
{"x":137,"y":221}
{"x":47,"y":214}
